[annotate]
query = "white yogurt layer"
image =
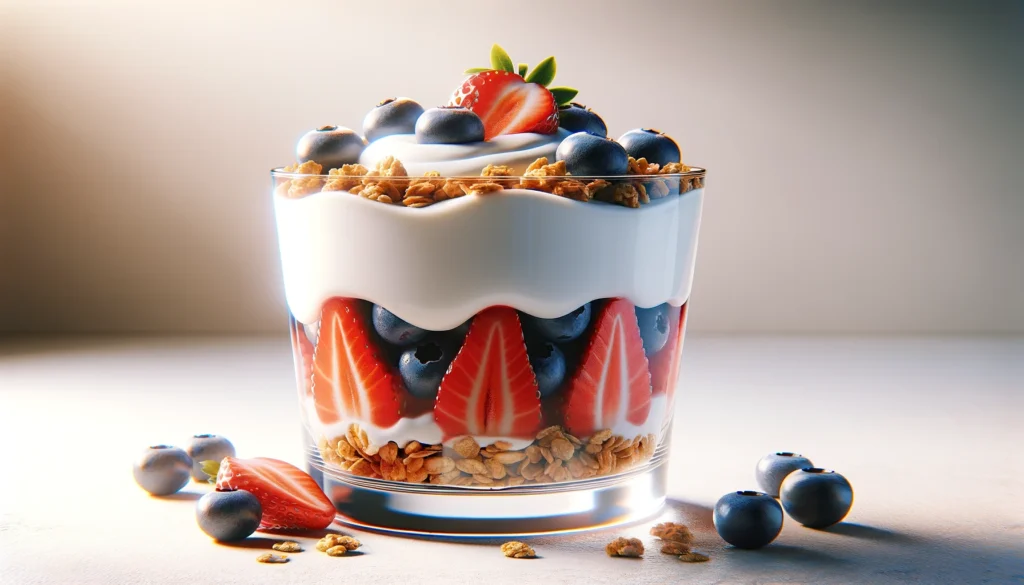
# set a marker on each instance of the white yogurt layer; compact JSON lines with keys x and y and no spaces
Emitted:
{"x":425,"y":430}
{"x":439,"y":265}
{"x":453,"y":160}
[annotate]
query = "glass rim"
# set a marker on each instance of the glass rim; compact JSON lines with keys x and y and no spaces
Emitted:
{"x":693,"y":172}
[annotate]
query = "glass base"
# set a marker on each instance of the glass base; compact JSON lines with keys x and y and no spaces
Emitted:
{"x":539,"y":509}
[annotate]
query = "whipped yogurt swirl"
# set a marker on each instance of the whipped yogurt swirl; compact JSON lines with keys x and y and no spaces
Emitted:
{"x":454,"y":160}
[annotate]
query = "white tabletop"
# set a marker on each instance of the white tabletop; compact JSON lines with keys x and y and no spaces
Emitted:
{"x":929,"y":432}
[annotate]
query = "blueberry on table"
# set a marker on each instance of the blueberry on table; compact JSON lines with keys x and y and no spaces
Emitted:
{"x":815,"y":497}
{"x":653,"y":328}
{"x":548,"y":363}
{"x":392,"y":116}
{"x":774,"y":467}
{"x":394,"y":329}
{"x":652,"y":145}
{"x":586,"y":155}
{"x":564,"y":328}
{"x":449,"y":125}
{"x":423,"y":366}
{"x":748,"y":519}
{"x":228,"y":515}
{"x":579,"y":118}
{"x":162,"y":470}
{"x":207,"y":448}
{"x":331,"y":146}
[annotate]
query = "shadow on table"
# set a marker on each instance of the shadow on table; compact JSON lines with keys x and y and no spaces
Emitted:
{"x":866,"y":532}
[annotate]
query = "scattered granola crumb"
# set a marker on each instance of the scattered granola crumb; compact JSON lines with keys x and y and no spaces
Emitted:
{"x":334,"y":541}
{"x":337,"y":551}
{"x":518,"y":550}
{"x":271,"y":558}
{"x":672,"y":531}
{"x":625,"y":547}
{"x":289,"y":546}
{"x":672,"y":547}
{"x":694,"y":557}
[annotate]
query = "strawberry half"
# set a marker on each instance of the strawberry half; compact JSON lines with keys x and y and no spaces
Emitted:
{"x":507,"y":104}
{"x":350,"y":377}
{"x":665,"y":363}
{"x":302,"y":352}
{"x":490,"y":389}
{"x":612,"y":383}
{"x":290,"y":498}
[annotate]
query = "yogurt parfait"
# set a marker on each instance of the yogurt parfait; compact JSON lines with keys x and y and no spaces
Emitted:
{"x":488,"y":298}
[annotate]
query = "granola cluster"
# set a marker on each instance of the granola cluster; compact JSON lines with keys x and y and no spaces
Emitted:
{"x":518,"y":550}
{"x":337,"y":545}
{"x":389,"y":182}
{"x":625,"y":547}
{"x":676,"y":540}
{"x":553,"y":456}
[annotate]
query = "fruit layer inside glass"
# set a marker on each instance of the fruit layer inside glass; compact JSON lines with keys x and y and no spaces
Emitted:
{"x":505,"y":399}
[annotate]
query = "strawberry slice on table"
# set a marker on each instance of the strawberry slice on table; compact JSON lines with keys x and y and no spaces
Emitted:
{"x":490,"y":389}
{"x":612,"y":383}
{"x":665,"y":363}
{"x":290,"y":498}
{"x":302,"y":351}
{"x":351,"y":379}
{"x":507,"y":104}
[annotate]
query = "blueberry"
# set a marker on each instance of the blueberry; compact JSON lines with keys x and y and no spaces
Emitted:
{"x":548,"y":364}
{"x":392,"y":116}
{"x":331,"y":146}
{"x":162,"y":470}
{"x":423,"y":366}
{"x":816,"y":498}
{"x":592,"y":156}
{"x":579,"y":118}
{"x":650,"y":144}
{"x":228,"y":515}
{"x":566,"y":327}
{"x":449,"y":125}
{"x":774,"y":467}
{"x":748,"y":519}
{"x":207,"y":448}
{"x":394,"y":329}
{"x":653,"y":327}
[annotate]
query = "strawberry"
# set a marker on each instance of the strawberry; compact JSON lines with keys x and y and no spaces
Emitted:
{"x":350,"y":377}
{"x":302,"y":350}
{"x":289,"y":496}
{"x":673,"y":377}
{"x":665,"y":362}
{"x":507,"y":104}
{"x":612,"y":383}
{"x":490,"y":388}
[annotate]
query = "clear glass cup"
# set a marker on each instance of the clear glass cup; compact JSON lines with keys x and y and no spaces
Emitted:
{"x":482,"y":355}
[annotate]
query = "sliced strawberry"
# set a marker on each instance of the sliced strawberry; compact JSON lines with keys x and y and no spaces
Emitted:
{"x":302,"y":352}
{"x":666,"y":361}
{"x":350,"y":377}
{"x":612,"y":383}
{"x":290,"y":498}
{"x":490,"y":389}
{"x":507,"y":104}
{"x":673,"y":376}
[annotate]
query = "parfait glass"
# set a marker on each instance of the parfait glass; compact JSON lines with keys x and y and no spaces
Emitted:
{"x":488,"y":355}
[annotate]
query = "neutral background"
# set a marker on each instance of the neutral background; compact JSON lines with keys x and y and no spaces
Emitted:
{"x":865,"y":157}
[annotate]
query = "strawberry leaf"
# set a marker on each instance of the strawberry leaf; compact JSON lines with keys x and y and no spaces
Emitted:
{"x":523,"y":67}
{"x":473,"y":70}
{"x":563,"y":95}
{"x":543,"y":73}
{"x":211,"y":468}
{"x":500,"y":59}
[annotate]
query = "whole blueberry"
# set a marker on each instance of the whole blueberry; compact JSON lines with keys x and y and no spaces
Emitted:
{"x":423,"y":366}
{"x":653,"y":145}
{"x":579,"y":118}
{"x":162,"y":470}
{"x":207,"y":448}
{"x":774,"y":467}
{"x":594,"y":156}
{"x":394,"y":329}
{"x":815,"y":497}
{"x":392,"y":116}
{"x":228,"y":515}
{"x":748,"y":519}
{"x":653,"y":327}
{"x":548,"y":364}
{"x":331,"y":146}
{"x":564,"y":328}
{"x":449,"y":125}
